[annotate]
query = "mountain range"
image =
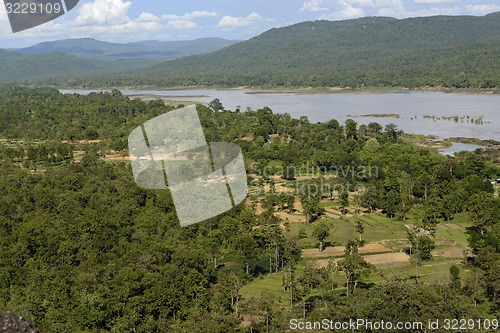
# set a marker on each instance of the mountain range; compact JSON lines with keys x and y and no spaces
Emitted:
{"x":461,"y":51}
{"x":155,"y":50}
{"x":449,"y":51}
{"x":86,"y":57}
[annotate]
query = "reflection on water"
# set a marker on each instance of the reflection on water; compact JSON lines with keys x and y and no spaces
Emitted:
{"x":412,"y":107}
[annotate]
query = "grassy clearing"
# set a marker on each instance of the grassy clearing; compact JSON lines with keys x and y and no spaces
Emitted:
{"x":451,"y":234}
{"x":435,"y":270}
{"x":341,"y":230}
{"x":271,"y":284}
{"x":230,"y":264}
{"x":450,"y":237}
{"x":378,"y":228}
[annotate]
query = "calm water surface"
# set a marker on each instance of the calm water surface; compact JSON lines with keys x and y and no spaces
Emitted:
{"x":411,"y":107}
{"x":459,"y":146}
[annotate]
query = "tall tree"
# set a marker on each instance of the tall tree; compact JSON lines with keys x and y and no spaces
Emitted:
{"x":353,"y":265}
{"x":321,"y":231}
{"x":248,"y":249}
{"x":360,"y":228}
{"x":480,"y":208}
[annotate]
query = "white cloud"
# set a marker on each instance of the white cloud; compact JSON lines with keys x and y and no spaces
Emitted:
{"x":393,"y":8}
{"x":108,"y":20}
{"x":147,"y":17}
{"x":189,"y":16}
{"x":313,"y":6}
{"x":345,"y":9}
{"x":360,"y":3}
{"x":182,"y":24}
{"x":201,"y":13}
{"x":185,"y":22}
{"x":436,"y":11}
{"x":482,"y":9}
{"x":103,"y":12}
{"x":234,"y":22}
{"x":433,"y":2}
{"x":387,"y":3}
{"x":348,"y":11}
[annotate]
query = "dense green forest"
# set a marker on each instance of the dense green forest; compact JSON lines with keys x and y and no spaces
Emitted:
{"x":84,"y":249}
{"x":440,"y":51}
{"x":16,"y":67}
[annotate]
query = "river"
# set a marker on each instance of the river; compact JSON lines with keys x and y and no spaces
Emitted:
{"x":420,"y":112}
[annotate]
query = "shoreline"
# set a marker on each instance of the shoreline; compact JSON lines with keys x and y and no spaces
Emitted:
{"x":177,"y":97}
{"x":437,"y":142}
{"x":301,"y":90}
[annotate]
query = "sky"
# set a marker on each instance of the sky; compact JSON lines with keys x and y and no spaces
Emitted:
{"x":124,"y":21}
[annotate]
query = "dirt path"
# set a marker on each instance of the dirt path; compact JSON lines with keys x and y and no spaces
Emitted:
{"x":116,"y":158}
{"x":339,"y":251}
{"x":374,"y":259}
{"x":387,"y":258}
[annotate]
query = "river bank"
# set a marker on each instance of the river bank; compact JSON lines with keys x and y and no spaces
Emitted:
{"x":300,"y":90}
{"x":416,"y":112}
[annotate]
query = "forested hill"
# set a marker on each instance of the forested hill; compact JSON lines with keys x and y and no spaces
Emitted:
{"x":455,"y":51}
{"x":152,"y":50}
{"x":69,"y":59}
{"x":15,"y":67}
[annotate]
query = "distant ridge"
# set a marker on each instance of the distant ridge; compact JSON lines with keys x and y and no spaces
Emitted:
{"x":437,"y":51}
{"x":78,"y":59}
{"x":450,"y":51}
{"x":95,"y":49}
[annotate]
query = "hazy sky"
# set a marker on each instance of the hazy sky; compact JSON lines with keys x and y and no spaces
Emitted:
{"x":134,"y":20}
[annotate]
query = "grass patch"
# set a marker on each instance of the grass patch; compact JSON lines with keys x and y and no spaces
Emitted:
{"x":271,"y":284}
{"x":449,"y":235}
{"x":435,"y":270}
{"x":378,"y":228}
